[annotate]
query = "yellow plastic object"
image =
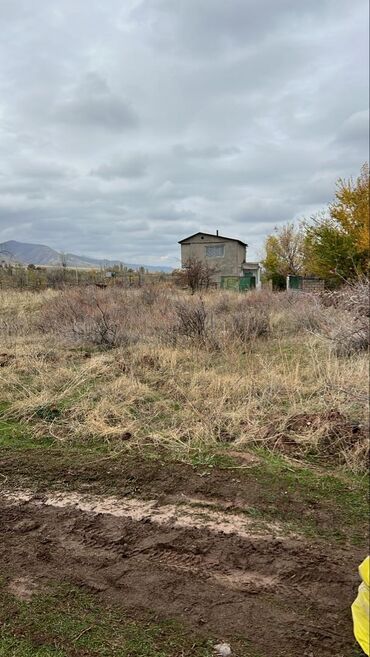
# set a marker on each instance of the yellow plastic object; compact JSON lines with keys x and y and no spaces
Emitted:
{"x":361,"y":608}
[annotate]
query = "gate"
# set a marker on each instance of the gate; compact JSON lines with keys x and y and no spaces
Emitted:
{"x":294,"y":282}
{"x":247,"y":282}
{"x":230,"y":282}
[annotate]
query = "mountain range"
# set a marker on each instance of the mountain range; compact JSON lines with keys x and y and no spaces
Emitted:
{"x":39,"y":254}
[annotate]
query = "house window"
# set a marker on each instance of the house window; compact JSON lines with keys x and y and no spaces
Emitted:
{"x":215,"y":251}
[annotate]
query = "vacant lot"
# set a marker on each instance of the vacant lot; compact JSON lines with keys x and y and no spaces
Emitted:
{"x":181,"y":471}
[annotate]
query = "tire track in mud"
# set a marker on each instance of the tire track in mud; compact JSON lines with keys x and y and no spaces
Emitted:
{"x":214,"y":569}
{"x":185,"y":514}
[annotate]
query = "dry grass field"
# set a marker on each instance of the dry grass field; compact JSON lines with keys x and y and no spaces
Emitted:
{"x":191,"y":374}
{"x":190,"y":465}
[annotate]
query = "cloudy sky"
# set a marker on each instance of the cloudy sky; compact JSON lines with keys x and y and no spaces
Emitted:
{"x":126,"y":125}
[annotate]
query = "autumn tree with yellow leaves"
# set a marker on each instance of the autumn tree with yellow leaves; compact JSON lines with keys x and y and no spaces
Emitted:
{"x":284,"y":254}
{"x":351,"y":208}
{"x":337,"y":242}
{"x":333,"y":245}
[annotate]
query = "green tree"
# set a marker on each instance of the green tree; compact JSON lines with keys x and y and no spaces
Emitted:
{"x":329,"y":251}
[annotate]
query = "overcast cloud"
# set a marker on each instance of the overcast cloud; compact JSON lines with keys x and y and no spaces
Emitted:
{"x":126,"y":126}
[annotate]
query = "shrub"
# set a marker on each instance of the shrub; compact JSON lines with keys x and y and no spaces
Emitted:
{"x":87,"y":315}
{"x":149,"y":295}
{"x":298,"y":312}
{"x":196,"y":275}
{"x":348,"y":336}
{"x":250,"y":323}
{"x":347,"y":326}
{"x":191,"y":319}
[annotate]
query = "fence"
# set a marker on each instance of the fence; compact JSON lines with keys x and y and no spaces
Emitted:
{"x":305,"y":283}
{"x":39,"y":278}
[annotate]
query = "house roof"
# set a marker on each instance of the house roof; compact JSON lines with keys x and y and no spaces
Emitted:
{"x":222,"y":237}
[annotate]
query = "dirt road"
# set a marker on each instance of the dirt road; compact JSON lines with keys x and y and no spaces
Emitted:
{"x":202,"y":561}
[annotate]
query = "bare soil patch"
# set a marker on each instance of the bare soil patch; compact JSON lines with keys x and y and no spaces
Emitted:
{"x":286,"y":595}
{"x":286,"y":496}
{"x":23,"y":588}
{"x":335,"y":433}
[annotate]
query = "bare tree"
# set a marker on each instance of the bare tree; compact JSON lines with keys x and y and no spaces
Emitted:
{"x":197,"y":274}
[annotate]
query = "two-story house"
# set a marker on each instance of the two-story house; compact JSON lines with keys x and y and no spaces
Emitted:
{"x":225,"y":255}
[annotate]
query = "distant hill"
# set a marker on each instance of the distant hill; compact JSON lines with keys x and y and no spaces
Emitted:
{"x":39,"y":254}
{"x":28,"y":254}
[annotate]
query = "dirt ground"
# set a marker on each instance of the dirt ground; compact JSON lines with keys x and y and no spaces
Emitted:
{"x":187,"y":552}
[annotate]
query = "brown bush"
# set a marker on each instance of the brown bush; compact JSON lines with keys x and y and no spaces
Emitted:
{"x":150,"y":295}
{"x":347,"y":326}
{"x":297,"y":313}
{"x":89,"y":316}
{"x":327,"y":435}
{"x":250,"y":323}
{"x":353,"y":297}
{"x":191,"y":319}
